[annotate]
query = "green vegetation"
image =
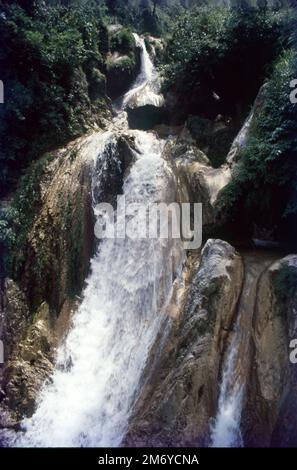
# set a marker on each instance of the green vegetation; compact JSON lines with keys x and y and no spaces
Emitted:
{"x":145,"y":16}
{"x":17,"y":219}
{"x":263,"y":191}
{"x":216,"y":59}
{"x":122,"y":41}
{"x":123,"y":63}
{"x":50,"y":61}
{"x":216,"y":62}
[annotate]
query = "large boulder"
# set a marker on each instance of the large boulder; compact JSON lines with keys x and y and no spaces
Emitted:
{"x":145,"y":117}
{"x":269,"y":415}
{"x":123,"y":62}
{"x":203,"y":182}
{"x":53,"y":264}
{"x":179,"y":396}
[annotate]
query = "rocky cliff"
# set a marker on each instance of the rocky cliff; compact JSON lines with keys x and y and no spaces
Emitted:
{"x":271,"y":404}
{"x":52,"y":267}
{"x":179,"y":398}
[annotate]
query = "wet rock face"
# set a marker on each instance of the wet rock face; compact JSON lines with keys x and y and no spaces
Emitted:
{"x":116,"y":161}
{"x":271,"y":396}
{"x":29,"y":365}
{"x":61,"y":242}
{"x":59,"y":245}
{"x":15,"y":316}
{"x":122,"y":70}
{"x":37,"y":309}
{"x":146,"y":117}
{"x":180,"y":396}
{"x":28,"y":355}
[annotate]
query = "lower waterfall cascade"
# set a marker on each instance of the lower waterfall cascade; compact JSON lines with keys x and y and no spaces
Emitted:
{"x":226,"y":429}
{"x":88,"y":401}
{"x":98,"y":368}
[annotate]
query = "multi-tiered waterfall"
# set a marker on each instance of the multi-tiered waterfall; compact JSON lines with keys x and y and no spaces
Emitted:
{"x":99,"y":366}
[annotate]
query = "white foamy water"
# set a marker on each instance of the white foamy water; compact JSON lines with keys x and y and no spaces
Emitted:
{"x":146,"y":88}
{"x":226,"y":431}
{"x":99,"y":367}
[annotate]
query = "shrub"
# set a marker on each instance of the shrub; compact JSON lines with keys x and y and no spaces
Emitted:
{"x":263,"y":190}
{"x":222,"y":51}
{"x":16,"y":220}
{"x":122,"y":41}
{"x":48,"y":62}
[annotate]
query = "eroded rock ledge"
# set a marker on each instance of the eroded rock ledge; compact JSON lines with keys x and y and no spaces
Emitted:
{"x":178,"y":400}
{"x":271,"y":408}
{"x":38,"y":305}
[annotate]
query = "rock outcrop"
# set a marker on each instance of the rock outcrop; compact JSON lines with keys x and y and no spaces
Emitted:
{"x":203,"y":182}
{"x":146,"y":117}
{"x":38,"y":306}
{"x":180,"y":394}
{"x":193,"y":149}
{"x":59,"y":245}
{"x":268,"y":418}
{"x":123,"y":64}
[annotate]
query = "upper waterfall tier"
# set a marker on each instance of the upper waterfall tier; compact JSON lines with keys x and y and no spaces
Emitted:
{"x":146,"y":90}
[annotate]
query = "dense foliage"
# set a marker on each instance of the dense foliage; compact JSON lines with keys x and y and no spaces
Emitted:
{"x":52,"y":65}
{"x":16,"y":219}
{"x":123,"y":63}
{"x":216,"y":62}
{"x":263,"y":191}
{"x":153,"y":16}
{"x":223,"y":52}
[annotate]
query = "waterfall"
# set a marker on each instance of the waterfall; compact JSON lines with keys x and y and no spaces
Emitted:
{"x":98,"y":370}
{"x":146,"y":88}
{"x":226,"y":429}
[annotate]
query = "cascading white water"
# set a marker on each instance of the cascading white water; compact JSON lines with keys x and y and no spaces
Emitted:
{"x":226,"y":429}
{"x":99,"y":367}
{"x":91,"y":393}
{"x":146,"y":88}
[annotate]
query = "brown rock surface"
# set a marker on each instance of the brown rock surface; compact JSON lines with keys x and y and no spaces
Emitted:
{"x":269,"y":416}
{"x":180,"y":395}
